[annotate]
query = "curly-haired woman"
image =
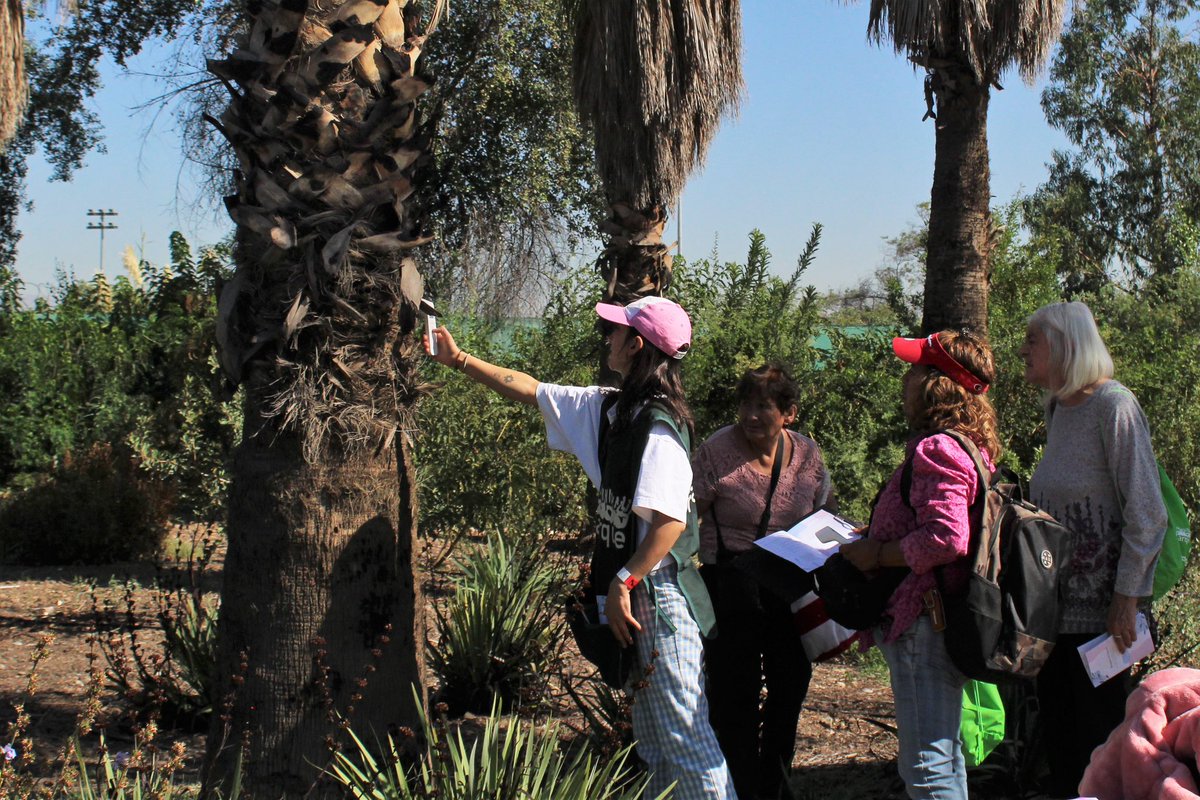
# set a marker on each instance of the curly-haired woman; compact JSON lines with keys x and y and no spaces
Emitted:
{"x":928,"y":531}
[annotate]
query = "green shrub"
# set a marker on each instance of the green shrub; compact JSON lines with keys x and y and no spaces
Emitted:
{"x":482,"y":461}
{"x":501,"y":630}
{"x":510,"y":760}
{"x":130,"y":362}
{"x":96,"y":508}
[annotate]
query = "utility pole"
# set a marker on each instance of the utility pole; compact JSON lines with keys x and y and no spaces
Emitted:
{"x":102,"y":226}
{"x":679,"y":227}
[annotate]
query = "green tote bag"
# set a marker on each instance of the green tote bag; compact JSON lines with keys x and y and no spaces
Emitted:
{"x":1177,"y":541}
{"x":982,"y":721}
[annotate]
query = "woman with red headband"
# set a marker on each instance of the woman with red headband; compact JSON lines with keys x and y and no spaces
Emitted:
{"x":927,"y":531}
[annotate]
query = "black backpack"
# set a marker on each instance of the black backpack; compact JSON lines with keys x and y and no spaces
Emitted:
{"x":1005,"y":624}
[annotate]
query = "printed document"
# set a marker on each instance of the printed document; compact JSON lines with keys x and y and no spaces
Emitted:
{"x":812,"y":540}
{"x":1102,"y":659}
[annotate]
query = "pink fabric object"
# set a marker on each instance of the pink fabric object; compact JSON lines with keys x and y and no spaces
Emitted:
{"x":1152,"y":754}
{"x":661,"y":321}
{"x":935,"y":531}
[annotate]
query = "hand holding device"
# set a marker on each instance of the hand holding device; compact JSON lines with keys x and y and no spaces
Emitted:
{"x":431,"y":316}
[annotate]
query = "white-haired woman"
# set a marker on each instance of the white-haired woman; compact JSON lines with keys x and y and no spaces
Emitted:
{"x":1098,"y":477}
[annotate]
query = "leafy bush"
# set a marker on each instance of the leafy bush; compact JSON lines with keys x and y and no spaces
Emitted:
{"x":94,"y":509}
{"x":482,"y":460}
{"x":130,"y":361}
{"x":744,"y":316}
{"x":509,"y":761}
{"x":501,"y":629}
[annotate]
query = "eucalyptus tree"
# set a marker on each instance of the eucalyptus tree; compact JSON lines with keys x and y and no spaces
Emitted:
{"x":964,"y":47}
{"x":1125,"y":90}
{"x":653,"y":79}
{"x":321,"y":617}
{"x":13,"y":91}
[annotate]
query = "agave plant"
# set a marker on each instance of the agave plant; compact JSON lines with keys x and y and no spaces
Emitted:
{"x":501,"y":630}
{"x":510,"y":760}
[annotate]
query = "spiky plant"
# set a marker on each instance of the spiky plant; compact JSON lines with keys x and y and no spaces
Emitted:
{"x":13,"y":90}
{"x":964,"y":46}
{"x":653,"y":78}
{"x":316,"y":324}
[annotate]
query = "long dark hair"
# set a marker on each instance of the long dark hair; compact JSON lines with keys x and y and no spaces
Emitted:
{"x":653,"y":377}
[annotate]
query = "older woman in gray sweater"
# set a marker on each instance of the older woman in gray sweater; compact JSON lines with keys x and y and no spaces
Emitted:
{"x":1099,"y":478}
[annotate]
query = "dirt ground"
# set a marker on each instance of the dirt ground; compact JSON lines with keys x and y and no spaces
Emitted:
{"x":845,"y":743}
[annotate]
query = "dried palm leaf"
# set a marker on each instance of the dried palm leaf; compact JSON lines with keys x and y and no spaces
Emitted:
{"x":323,"y":118}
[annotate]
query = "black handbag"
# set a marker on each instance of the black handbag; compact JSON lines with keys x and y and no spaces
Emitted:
{"x":598,"y":644}
{"x":853,"y":598}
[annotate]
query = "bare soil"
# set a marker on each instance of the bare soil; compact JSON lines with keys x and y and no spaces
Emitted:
{"x":846,"y":741}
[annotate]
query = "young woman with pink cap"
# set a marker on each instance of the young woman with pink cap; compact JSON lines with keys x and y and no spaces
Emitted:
{"x":633,"y":443}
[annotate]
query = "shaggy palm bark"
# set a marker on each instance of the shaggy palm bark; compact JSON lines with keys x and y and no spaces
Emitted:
{"x":965,"y":45}
{"x":13,"y":91}
{"x":320,"y":615}
{"x":957,"y":267}
{"x":653,"y":80}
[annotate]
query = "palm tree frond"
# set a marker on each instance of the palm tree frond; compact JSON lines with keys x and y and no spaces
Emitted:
{"x":653,"y":79}
{"x":988,"y":36}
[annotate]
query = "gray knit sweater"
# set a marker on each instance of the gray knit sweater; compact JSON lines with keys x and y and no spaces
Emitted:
{"x":1099,"y":478}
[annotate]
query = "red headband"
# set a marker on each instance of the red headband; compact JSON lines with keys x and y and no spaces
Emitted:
{"x":929,"y":351}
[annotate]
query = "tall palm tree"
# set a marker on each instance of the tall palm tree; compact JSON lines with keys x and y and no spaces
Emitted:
{"x":13,"y":91}
{"x":321,"y":616}
{"x":653,"y":79}
{"x":964,"y":46}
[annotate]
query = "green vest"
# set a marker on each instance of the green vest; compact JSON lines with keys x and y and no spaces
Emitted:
{"x":616,"y":525}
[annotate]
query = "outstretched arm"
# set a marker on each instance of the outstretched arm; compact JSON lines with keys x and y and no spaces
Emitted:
{"x":506,"y":382}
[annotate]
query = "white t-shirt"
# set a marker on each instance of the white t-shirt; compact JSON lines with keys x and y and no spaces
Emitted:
{"x":572,"y":415}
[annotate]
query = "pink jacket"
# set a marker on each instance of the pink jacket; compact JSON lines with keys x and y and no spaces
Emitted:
{"x":935,"y":531}
{"x":1153,"y":753}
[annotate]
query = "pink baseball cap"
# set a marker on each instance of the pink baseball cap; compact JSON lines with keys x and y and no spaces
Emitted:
{"x":663,"y":323}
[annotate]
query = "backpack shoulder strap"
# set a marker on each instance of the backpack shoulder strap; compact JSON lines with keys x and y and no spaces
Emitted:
{"x":610,"y":400}
{"x":985,"y":476}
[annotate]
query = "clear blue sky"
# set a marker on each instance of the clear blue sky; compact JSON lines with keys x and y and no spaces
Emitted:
{"x":830,"y":131}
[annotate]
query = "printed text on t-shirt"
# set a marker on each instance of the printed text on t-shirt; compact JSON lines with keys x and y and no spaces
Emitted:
{"x":613,"y":515}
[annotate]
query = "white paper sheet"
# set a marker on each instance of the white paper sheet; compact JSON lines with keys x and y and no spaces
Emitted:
{"x":812,"y":540}
{"x":1102,"y":659}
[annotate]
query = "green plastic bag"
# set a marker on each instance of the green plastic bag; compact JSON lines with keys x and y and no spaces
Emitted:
{"x":982,"y":721}
{"x":1177,"y":541}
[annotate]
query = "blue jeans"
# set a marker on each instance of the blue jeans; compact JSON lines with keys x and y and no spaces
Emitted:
{"x":927,"y":688}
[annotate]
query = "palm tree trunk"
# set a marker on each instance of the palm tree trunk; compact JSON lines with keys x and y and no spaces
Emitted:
{"x":317,"y":325}
{"x":960,"y":225}
{"x":13,"y":91}
{"x":320,"y":614}
{"x":635,"y":262}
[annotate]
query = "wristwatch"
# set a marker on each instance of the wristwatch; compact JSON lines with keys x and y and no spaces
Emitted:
{"x":628,"y":578}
